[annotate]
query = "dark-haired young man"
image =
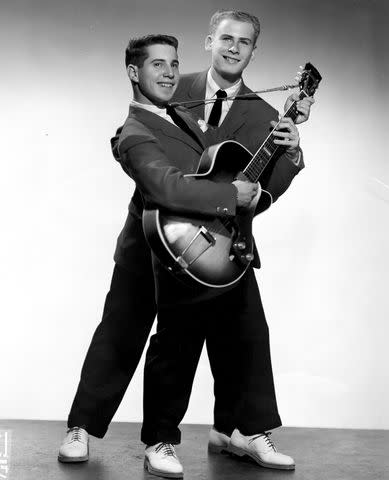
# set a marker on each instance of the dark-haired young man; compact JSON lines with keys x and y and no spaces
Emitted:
{"x":129,"y":312}
{"x":160,"y":152}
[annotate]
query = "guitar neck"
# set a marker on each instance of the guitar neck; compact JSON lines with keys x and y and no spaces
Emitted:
{"x":267,"y":150}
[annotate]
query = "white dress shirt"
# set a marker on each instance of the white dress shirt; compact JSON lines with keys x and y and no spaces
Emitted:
{"x":161,"y":112}
{"x":210,"y":92}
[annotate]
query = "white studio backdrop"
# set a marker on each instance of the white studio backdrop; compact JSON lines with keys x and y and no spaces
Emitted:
{"x":323,"y":245}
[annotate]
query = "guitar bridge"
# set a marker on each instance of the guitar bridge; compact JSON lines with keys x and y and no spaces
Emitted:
{"x":180,"y":260}
{"x":208,"y":236}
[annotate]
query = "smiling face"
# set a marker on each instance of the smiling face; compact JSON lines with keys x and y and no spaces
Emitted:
{"x":156,"y":80}
{"x":232,"y":45}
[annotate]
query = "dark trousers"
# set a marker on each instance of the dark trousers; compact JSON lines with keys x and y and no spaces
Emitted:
{"x":235,"y":329}
{"x":115,"y":350}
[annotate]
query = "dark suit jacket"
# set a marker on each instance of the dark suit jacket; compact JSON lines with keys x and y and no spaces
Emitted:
{"x":247,"y":122}
{"x":156,"y":154}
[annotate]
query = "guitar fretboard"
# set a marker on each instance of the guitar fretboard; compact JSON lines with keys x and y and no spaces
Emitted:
{"x":266,"y":151}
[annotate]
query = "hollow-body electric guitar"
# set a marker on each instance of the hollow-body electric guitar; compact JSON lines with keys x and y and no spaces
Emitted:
{"x":216,"y":252}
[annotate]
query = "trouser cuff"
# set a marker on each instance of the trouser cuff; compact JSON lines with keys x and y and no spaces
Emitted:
{"x":258,"y":427}
{"x":151,"y":436}
{"x":97,"y":431}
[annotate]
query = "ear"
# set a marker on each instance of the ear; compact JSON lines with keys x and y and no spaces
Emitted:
{"x":132,"y":72}
{"x":253,"y":53}
{"x":208,"y":42}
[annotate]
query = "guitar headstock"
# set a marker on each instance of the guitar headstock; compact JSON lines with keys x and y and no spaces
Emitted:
{"x":309,"y":79}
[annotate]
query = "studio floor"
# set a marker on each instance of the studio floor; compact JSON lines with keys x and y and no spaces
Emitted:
{"x":328,"y":454}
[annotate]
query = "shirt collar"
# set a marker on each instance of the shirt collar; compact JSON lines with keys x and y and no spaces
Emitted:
{"x":213,"y":87}
{"x":161,"y":112}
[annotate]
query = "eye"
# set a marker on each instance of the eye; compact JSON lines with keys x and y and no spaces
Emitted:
{"x":157,"y":64}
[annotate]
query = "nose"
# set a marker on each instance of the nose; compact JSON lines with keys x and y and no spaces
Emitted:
{"x":169,"y":72}
{"x":234,"y":48}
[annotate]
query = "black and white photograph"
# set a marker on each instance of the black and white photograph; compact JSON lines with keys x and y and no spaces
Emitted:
{"x":195,"y":241}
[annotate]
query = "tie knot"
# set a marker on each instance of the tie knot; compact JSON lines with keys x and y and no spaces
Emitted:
{"x":221,"y":94}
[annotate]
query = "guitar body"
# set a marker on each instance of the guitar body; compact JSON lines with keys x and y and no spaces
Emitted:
{"x":209,"y":251}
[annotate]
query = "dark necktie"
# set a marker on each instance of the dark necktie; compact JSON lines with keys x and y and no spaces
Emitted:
{"x":216,"y":112}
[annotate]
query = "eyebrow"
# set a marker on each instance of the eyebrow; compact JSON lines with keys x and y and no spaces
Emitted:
{"x":163,"y":60}
{"x":240,"y":38}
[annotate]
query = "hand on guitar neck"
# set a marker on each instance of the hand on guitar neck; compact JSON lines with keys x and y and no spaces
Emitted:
{"x":246,"y":192}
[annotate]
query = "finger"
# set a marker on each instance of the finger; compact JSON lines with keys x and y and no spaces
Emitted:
{"x":289,"y":145}
{"x":285,"y":124}
{"x":303,"y":109}
{"x":289,"y":135}
{"x":279,"y":134}
{"x":286,"y":143}
{"x":306,"y":101}
{"x":287,"y":131}
{"x":287,"y":120}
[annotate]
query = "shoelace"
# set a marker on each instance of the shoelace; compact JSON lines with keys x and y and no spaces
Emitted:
{"x":266,"y":436}
{"x":167,"y":449}
{"x":76,"y":434}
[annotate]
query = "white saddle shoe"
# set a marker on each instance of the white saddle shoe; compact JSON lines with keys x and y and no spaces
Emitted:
{"x":161,"y":460}
{"x":218,"y":442}
{"x":261,"y":449}
{"x":75,"y":447}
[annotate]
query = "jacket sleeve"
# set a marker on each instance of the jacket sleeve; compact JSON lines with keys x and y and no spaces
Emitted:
{"x":281,"y":171}
{"x":165,"y":186}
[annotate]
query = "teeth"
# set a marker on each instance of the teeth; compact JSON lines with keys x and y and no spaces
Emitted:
{"x":166,"y":85}
{"x":231,"y":60}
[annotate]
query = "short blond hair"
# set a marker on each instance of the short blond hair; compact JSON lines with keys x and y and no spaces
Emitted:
{"x":237,"y":15}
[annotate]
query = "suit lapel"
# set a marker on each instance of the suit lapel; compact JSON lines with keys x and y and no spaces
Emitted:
{"x":155,"y":122}
{"x":236,"y":116}
{"x":197,"y":92}
{"x":194,"y":127}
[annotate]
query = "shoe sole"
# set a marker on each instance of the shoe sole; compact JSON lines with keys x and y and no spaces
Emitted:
{"x":73,"y":459}
{"x":243,"y":455}
{"x":160,"y":473}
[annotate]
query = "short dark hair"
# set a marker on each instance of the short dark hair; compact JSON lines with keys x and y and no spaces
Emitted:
{"x":220,"y":15}
{"x":136,"y":51}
